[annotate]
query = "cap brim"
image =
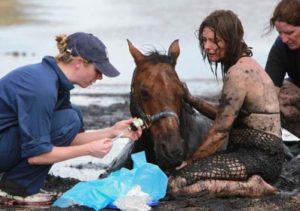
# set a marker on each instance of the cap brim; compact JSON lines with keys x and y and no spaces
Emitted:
{"x":107,"y":69}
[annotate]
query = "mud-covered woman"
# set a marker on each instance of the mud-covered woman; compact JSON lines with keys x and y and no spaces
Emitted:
{"x":247,"y":119}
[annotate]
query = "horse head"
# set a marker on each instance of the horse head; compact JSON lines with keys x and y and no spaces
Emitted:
{"x":157,"y":98}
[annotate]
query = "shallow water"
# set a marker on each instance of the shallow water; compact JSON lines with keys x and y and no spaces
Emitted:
{"x":148,"y":24}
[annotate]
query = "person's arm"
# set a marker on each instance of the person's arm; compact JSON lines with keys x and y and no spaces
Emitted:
{"x":232,"y":99}
{"x":34,"y":107}
{"x":94,"y":143}
{"x":206,"y":108}
{"x":277,"y":62}
{"x":118,"y":128}
{"x":96,"y":148}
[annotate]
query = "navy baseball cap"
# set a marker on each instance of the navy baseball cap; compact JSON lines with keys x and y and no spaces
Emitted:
{"x":91,"y":48}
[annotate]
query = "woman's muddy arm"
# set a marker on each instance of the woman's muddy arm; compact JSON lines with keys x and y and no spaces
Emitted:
{"x":233,"y":95}
{"x":206,"y":108}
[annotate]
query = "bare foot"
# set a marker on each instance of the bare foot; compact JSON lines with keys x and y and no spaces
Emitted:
{"x":259,"y":187}
{"x":255,"y":186}
{"x":176,"y":184}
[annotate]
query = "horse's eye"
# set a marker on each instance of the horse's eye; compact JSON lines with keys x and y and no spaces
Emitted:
{"x":145,"y":94}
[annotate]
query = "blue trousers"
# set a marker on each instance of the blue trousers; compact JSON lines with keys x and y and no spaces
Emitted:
{"x":21,"y":178}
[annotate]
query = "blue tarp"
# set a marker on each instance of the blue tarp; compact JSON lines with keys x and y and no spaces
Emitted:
{"x":100,"y":193}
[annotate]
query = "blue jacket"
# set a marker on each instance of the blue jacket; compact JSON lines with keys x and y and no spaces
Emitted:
{"x":29,"y":96}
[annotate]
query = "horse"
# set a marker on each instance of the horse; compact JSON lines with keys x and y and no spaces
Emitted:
{"x":173,"y":129}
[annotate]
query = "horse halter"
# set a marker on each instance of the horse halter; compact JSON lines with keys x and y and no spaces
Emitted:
{"x":150,"y":119}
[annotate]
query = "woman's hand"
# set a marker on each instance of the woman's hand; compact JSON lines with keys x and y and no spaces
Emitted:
{"x":123,"y":127}
{"x":134,"y":135}
{"x":187,"y":95}
{"x":183,"y":164}
{"x":100,"y":147}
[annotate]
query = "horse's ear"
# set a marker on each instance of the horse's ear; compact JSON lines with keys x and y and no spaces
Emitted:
{"x":174,"y":51}
{"x":136,"y":54}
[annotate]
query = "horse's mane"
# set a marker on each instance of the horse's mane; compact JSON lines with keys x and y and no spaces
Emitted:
{"x":155,"y":57}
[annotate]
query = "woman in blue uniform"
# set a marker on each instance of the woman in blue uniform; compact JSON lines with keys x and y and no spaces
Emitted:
{"x":38,"y":124}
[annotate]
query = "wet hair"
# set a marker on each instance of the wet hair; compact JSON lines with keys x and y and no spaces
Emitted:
{"x":64,"y":54}
{"x":286,"y":11}
{"x":226,"y":25}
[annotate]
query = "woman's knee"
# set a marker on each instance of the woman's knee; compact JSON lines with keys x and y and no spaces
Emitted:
{"x":66,"y":125}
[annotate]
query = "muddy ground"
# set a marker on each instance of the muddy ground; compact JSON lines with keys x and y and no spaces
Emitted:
{"x":288,"y":184}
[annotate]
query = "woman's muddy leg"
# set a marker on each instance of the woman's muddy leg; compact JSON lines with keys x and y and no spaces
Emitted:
{"x":255,"y":186}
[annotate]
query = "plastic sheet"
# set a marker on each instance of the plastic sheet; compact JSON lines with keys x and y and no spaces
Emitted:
{"x":98,"y":194}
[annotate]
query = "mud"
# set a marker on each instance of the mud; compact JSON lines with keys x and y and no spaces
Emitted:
{"x":288,"y":184}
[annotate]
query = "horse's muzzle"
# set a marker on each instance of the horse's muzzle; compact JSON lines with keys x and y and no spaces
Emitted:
{"x":169,"y":151}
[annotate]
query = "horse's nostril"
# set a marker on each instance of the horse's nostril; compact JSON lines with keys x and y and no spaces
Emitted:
{"x":176,"y":153}
{"x":172,"y":155}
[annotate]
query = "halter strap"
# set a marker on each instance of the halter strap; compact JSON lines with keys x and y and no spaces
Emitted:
{"x":151,"y":119}
{"x":163,"y":114}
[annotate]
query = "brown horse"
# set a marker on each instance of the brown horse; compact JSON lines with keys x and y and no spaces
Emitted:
{"x":173,"y":128}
